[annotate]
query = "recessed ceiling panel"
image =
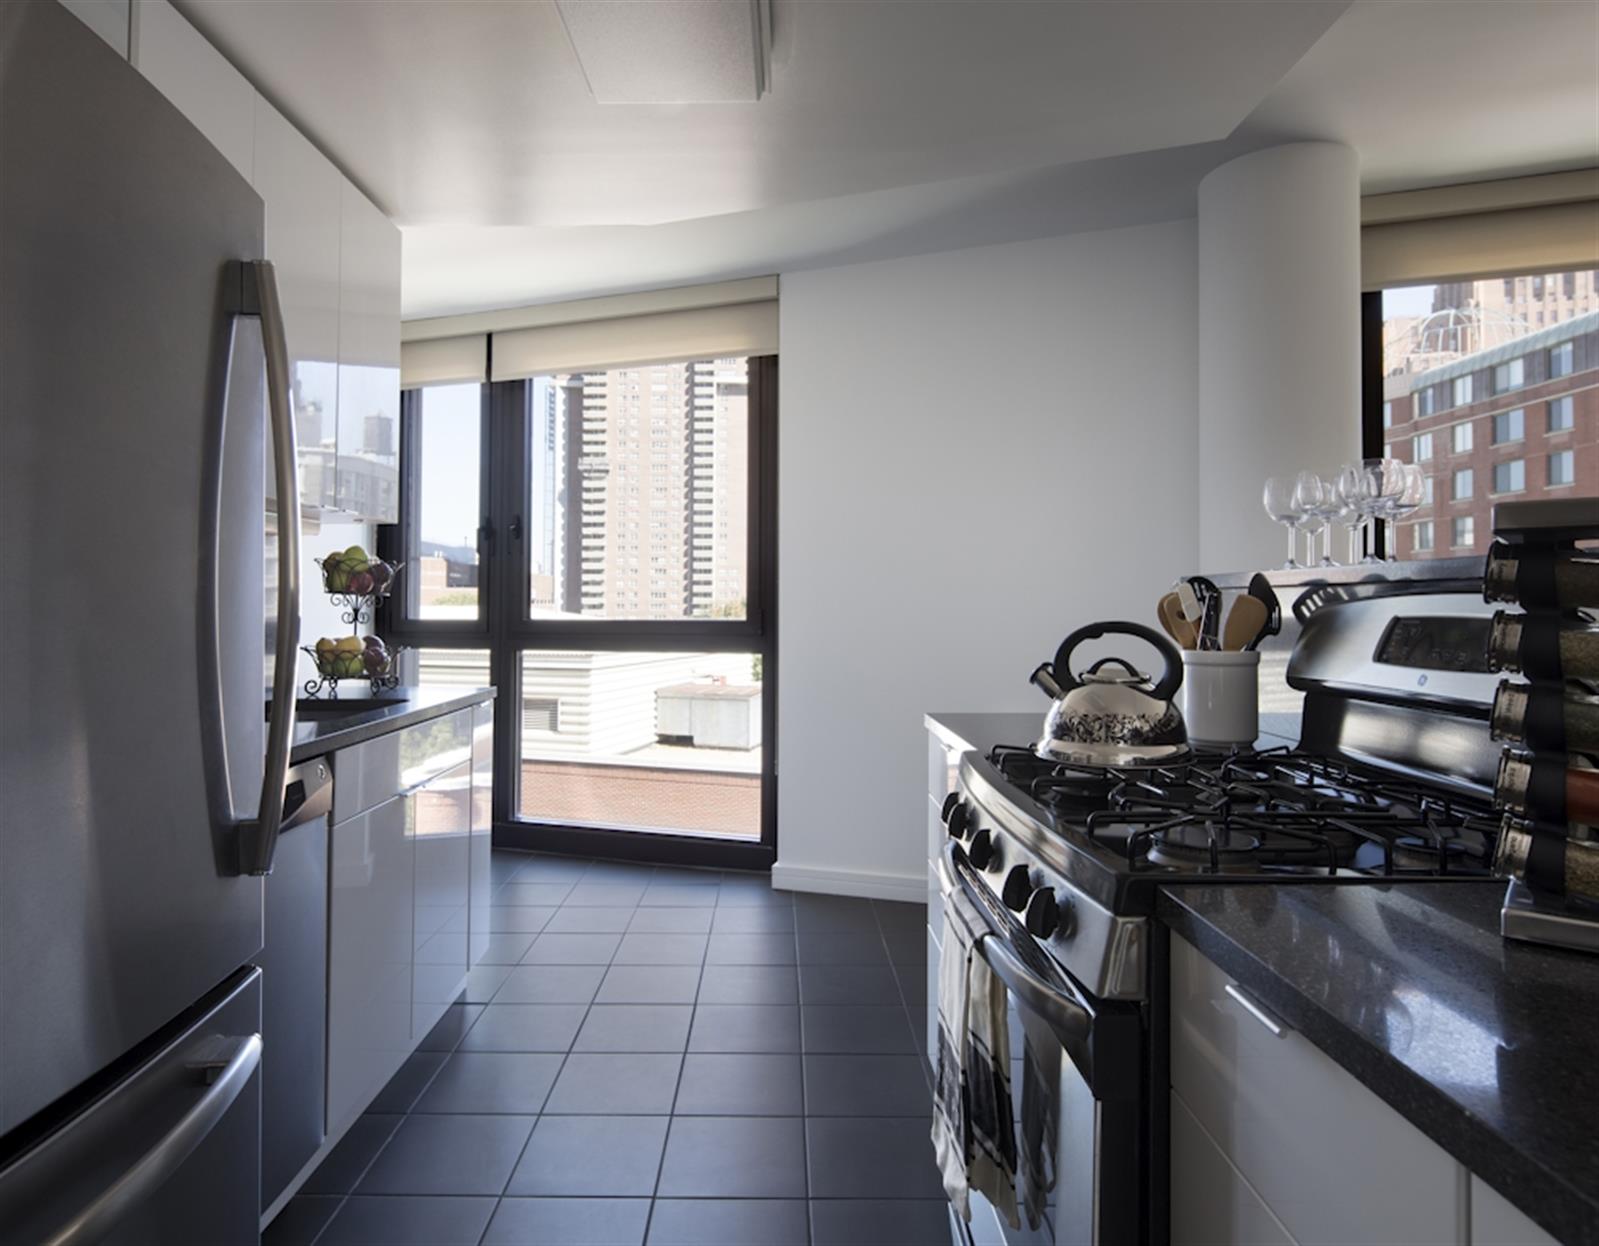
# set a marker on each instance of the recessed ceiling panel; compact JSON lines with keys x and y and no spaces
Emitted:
{"x":668,"y":51}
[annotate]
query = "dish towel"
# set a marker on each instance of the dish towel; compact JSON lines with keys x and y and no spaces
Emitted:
{"x":1040,"y":1094}
{"x":974,"y":1137}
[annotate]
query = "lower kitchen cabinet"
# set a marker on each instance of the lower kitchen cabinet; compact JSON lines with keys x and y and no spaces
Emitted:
{"x":1210,"y":1202}
{"x":480,"y":884}
{"x":371,"y":889}
{"x":439,"y":816}
{"x":1494,"y":1222}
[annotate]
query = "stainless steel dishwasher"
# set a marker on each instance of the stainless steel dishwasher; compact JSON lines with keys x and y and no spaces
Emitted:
{"x":294,"y":974}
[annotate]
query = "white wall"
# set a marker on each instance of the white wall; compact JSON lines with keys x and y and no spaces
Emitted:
{"x":979,"y":451}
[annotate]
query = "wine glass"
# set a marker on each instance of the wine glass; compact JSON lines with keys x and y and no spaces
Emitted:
{"x":1311,"y":500}
{"x":1278,"y":499}
{"x":1350,"y":485}
{"x":1379,"y":485}
{"x":1413,"y":488}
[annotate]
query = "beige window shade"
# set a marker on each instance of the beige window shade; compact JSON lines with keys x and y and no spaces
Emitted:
{"x":1488,"y":229}
{"x":588,"y":345}
{"x":444,"y":361}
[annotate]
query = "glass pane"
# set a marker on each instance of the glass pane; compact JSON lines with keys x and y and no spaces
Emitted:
{"x":442,"y":579}
{"x":638,"y":503}
{"x":450,"y":668}
{"x":1459,"y":354}
{"x":643,"y":741}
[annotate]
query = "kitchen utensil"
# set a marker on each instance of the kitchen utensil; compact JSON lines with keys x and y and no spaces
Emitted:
{"x":1220,"y":697}
{"x":1209,"y":611}
{"x":1111,"y":714}
{"x":1260,"y":589}
{"x":1542,"y":646}
{"x":1245,"y":621}
{"x":1178,"y":628}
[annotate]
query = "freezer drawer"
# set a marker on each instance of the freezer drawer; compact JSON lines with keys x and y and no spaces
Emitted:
{"x":170,"y":1152}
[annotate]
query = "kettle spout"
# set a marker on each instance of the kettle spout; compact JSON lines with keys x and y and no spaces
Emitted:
{"x":1044,"y":677}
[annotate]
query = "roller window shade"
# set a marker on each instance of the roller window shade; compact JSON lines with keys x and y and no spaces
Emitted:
{"x":444,"y":361}
{"x":625,"y":341}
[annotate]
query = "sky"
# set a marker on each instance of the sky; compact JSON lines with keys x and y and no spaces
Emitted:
{"x":1407,"y":301}
{"x":451,"y":429}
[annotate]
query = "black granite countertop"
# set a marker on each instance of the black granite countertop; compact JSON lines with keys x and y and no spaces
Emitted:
{"x":1491,"y":1048}
{"x":401,"y":707}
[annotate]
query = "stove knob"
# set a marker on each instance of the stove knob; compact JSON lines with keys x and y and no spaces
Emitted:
{"x":1018,"y":889}
{"x":950,"y":802}
{"x":958,"y":819}
{"x":1043,"y":913}
{"x":981,"y":850}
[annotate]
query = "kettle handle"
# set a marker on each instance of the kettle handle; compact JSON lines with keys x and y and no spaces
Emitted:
{"x":1170,"y":679}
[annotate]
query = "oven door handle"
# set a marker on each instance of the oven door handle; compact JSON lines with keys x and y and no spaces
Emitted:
{"x":1056,"y":1005}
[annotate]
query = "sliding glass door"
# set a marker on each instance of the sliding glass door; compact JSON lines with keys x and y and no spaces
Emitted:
{"x":604,"y":541}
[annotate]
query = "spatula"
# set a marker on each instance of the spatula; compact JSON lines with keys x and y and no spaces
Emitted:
{"x":1177,"y":627}
{"x":1245,"y":621}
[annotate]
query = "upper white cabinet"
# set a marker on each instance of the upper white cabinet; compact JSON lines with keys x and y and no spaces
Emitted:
{"x":206,"y":88}
{"x":369,"y":361}
{"x":303,"y":194}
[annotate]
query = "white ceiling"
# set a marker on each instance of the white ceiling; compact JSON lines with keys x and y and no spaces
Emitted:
{"x":891,"y":126}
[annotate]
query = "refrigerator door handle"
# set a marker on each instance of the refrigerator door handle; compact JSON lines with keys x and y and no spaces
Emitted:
{"x":227,"y":1065}
{"x":259,"y":296}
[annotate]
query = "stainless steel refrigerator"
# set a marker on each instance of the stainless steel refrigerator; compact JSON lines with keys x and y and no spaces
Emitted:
{"x":140,"y":789}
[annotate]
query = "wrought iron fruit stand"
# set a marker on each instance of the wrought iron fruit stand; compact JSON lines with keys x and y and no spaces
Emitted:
{"x":355,"y":584}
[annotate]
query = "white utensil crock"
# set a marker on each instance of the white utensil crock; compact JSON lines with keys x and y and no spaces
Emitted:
{"x":1221,"y":702}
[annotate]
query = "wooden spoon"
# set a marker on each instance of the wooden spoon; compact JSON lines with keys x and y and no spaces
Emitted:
{"x":1177,"y":627}
{"x":1244,"y":622}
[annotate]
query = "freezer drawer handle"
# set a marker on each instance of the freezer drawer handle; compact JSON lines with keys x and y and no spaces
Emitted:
{"x":226,"y":1064}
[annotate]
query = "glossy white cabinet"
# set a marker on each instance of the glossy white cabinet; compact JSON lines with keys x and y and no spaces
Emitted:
{"x":1495,"y":1222}
{"x":480,"y":871}
{"x":369,"y":361}
{"x":371,"y":884}
{"x":439,"y":820}
{"x":1211,"y":1203}
{"x":203,"y":83}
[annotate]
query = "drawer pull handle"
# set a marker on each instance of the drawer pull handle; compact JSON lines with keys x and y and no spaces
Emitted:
{"x":1255,"y":1010}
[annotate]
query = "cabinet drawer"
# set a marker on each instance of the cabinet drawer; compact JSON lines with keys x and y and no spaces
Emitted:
{"x":440,"y":825}
{"x":943,"y":763}
{"x":1495,"y":1222}
{"x":1211,"y":1205}
{"x":368,"y":774}
{"x":1280,"y":1109}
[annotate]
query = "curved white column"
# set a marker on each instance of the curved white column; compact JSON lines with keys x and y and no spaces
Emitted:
{"x":1279,"y":337}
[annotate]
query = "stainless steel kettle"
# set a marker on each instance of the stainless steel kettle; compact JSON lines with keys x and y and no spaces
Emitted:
{"x":1112,"y":714}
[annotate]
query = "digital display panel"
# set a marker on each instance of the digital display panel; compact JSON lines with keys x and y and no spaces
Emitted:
{"x":1436,"y":644}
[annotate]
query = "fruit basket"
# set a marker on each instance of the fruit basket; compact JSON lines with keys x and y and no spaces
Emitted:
{"x":351,"y":659}
{"x":355,"y":582}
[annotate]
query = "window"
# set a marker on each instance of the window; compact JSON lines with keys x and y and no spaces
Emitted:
{"x":1461,"y":391}
{"x":1510,"y":426}
{"x":1561,"y":359}
{"x":1421,"y":447}
{"x":1421,"y":536}
{"x":1562,"y":467}
{"x":1561,"y":416}
{"x":1387,"y":415}
{"x":1510,"y":477}
{"x":1463,"y":531}
{"x":1461,"y":486}
{"x":440,"y":577}
{"x":1424,"y":402}
{"x":1508,"y":376}
{"x":541,"y":714}
{"x":1426,"y":491}
{"x":1460,"y":438}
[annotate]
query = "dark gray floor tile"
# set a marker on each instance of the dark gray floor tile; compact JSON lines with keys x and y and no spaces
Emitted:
{"x":692,"y":875}
{"x":521,"y":918}
{"x":635,"y":1027}
{"x":661,"y":949}
{"x":734,"y":1157}
{"x":595,"y":1083}
{"x":649,"y":984}
{"x":456,"y":1021}
{"x":912,"y":985}
{"x":855,"y":1028}
{"x":695,"y":921}
{"x":848,"y":984}
{"x":569,"y":1222}
{"x":572,"y":1156}
{"x":871,"y":1157}
{"x":718,"y":1084}
{"x":606,"y":893}
{"x":619,"y":872}
{"x":880,"y":1222}
{"x":842,"y":947}
{"x":449,"y":1155}
{"x":745,"y":1027}
{"x":728,"y":1222}
{"x":596,"y":919}
{"x":301,"y":1219}
{"x":834,"y":914}
{"x":507,"y":947}
{"x":483,"y":981}
{"x":748,"y":890}
{"x":524,"y":1027}
{"x":753,"y":919}
{"x":749,"y":984}
{"x":572,"y":949}
{"x":520,"y":894}
{"x":896,"y":916}
{"x":407,"y":1085}
{"x":341,"y":1169}
{"x":863,"y":1085}
{"x":402,"y":1221}
{"x":676,"y":895}
{"x":490,"y":1082}
{"x":539,"y":868}
{"x":551,"y":984}
{"x":750,"y":949}
{"x":906,"y":949}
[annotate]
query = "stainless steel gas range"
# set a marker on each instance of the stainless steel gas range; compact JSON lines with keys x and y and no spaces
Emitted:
{"x":1390,"y":780}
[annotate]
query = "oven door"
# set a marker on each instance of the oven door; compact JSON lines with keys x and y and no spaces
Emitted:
{"x":1076,"y":1103}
